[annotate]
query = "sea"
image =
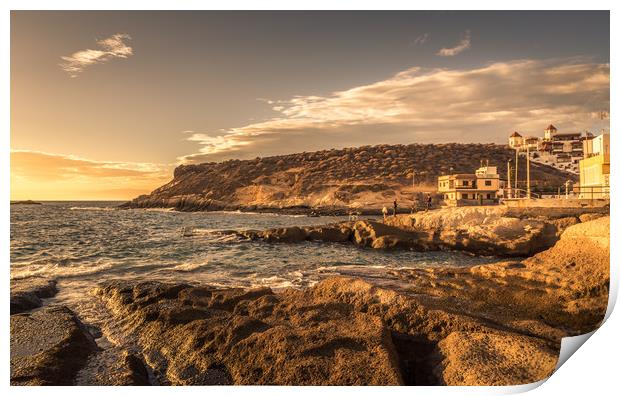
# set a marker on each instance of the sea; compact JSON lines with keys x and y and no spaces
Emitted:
{"x":83,"y":243}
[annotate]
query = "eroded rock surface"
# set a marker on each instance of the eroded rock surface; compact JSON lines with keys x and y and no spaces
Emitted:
{"x":487,"y":230}
{"x":48,"y":347}
{"x":200,"y":335}
{"x":342,"y":331}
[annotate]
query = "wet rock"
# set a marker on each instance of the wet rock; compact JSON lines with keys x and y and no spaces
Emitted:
{"x":48,"y":347}
{"x":26,"y":294}
{"x":113,"y":366}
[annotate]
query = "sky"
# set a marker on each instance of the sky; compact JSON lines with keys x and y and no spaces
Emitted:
{"x":105,"y":104}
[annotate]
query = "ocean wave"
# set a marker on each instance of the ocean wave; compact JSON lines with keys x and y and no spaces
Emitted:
{"x":267,"y":214}
{"x":57,"y":271}
{"x":187,"y":267}
{"x":92,"y":208}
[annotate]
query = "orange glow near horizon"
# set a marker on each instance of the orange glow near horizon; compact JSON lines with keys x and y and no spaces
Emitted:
{"x":43,"y":176}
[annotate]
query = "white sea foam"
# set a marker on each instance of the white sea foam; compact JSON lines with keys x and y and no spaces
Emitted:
{"x":92,"y":208}
{"x":57,"y":271}
{"x":187,"y":267}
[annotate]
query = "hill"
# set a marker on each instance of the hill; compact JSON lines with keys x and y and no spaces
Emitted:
{"x":365,"y":177}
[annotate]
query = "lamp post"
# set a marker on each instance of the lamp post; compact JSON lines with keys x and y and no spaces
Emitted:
{"x":509,"y":188}
{"x":517,"y":171}
{"x":527,"y":170}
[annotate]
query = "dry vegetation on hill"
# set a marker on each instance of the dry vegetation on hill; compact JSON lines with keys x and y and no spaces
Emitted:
{"x":368,"y":176}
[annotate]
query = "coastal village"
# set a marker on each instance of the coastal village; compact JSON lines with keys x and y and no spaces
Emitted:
{"x":582,"y":154}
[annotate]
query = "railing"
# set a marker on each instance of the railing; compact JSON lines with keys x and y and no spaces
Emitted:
{"x":519,"y":193}
{"x":591,"y":192}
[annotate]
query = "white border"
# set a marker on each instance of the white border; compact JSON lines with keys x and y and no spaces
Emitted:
{"x":592,"y":370}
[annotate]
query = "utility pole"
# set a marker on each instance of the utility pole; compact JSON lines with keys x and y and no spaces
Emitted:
{"x":566,"y":189}
{"x":517,"y":171}
{"x":527,"y":153}
{"x":509,"y":189}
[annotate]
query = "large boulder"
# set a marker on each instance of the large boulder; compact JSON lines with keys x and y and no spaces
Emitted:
{"x":48,"y":347}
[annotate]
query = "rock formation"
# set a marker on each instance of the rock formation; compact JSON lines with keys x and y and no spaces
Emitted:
{"x":488,"y":230}
{"x":48,"y":347}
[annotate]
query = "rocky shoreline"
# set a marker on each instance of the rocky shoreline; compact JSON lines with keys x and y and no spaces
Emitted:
{"x":493,"y":324}
{"x":489,"y":231}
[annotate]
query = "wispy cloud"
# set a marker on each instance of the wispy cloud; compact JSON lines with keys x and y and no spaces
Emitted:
{"x":464,"y":44}
{"x":109,"y":48}
{"x":421,"y":39}
{"x":425,"y":106}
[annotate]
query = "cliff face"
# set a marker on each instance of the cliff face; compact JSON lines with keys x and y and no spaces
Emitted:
{"x":362,"y":177}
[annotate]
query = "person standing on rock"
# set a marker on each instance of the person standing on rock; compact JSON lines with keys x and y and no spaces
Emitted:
{"x":395,"y":207}
{"x":385,"y":212}
{"x":429,"y":202}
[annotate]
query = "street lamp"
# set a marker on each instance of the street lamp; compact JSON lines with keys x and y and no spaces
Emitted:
{"x":509,"y":187}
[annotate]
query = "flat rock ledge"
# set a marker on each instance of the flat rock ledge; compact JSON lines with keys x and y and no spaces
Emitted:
{"x":48,"y":347}
{"x":51,"y":346}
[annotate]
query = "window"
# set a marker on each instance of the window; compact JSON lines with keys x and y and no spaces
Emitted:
{"x":466,"y":182}
{"x":487,"y":182}
{"x":488,"y":196}
{"x":465,"y":196}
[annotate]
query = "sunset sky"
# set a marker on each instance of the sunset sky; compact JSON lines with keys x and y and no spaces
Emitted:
{"x":104,"y":105}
